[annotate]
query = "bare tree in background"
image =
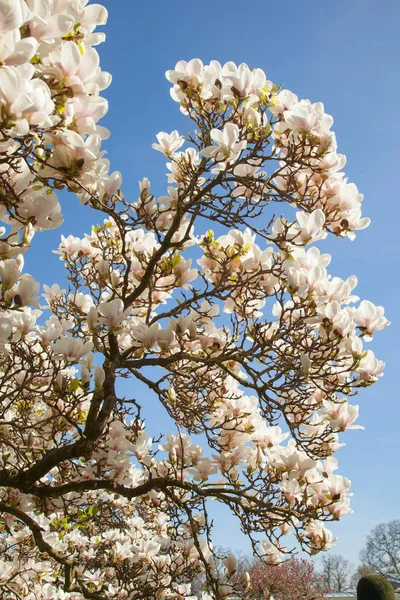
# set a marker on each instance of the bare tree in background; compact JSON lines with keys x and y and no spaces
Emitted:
{"x":337,"y":573}
{"x":381,"y":552}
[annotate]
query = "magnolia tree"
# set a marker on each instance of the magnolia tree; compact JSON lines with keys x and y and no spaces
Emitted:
{"x":295,"y":579}
{"x":240,"y":333}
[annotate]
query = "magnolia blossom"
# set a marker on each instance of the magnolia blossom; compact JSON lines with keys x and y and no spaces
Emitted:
{"x":272,"y":555}
{"x":72,"y":349}
{"x":311,"y":226}
{"x":113,"y":312}
{"x":13,"y":15}
{"x":6,"y":570}
{"x":370,"y":368}
{"x":24,"y":101}
{"x":370,"y":318}
{"x":168,"y":143}
{"x":10,"y":271}
{"x":341,"y":416}
{"x":228,"y":148}
{"x":14,"y":50}
{"x":320,"y":537}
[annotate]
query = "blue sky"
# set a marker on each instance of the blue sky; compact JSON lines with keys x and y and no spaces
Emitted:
{"x":343,"y":53}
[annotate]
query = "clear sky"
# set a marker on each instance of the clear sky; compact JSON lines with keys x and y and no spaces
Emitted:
{"x":344,"y":53}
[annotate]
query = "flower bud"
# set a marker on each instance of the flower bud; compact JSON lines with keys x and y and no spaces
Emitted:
{"x":99,"y":376}
{"x":115,"y":279}
{"x":92,"y":318}
{"x":230,"y":563}
{"x":85,"y":374}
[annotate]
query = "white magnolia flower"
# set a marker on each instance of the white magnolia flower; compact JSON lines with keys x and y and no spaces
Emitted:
{"x":228,"y":146}
{"x":230,"y":563}
{"x":341,"y":415}
{"x":6,"y":569}
{"x":13,"y":14}
{"x":168,"y":143}
{"x":113,"y":312}
{"x":370,"y":318}
{"x":320,"y":537}
{"x":10,"y":271}
{"x":71,"y":349}
{"x":14,"y":50}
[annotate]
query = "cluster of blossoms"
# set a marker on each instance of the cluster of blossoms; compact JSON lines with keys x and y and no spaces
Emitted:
{"x":50,"y":81}
{"x":242,"y":334}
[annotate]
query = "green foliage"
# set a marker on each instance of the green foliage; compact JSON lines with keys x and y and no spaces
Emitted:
{"x":374,"y":587}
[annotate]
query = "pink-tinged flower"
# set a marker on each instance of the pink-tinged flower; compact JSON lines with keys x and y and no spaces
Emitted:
{"x":341,"y":202}
{"x":146,"y":335}
{"x":144,"y":187}
{"x":74,"y":156}
{"x":341,"y":319}
{"x":168,"y":143}
{"x":228,"y":147}
{"x":307,"y":117}
{"x":271,"y":554}
{"x":109,"y":184}
{"x":183,"y":273}
{"x":83,"y":302}
{"x":50,"y":20}
{"x":203,"y":469}
{"x":290,"y":459}
{"x":144,"y":550}
{"x":84,"y":112}
{"x":23,"y":99}
{"x":113,"y":312}
{"x":266,"y":437}
{"x":93,"y":15}
{"x":341,"y":416}
{"x":292,"y":490}
{"x":51,"y":331}
{"x":370,"y":368}
{"x":40,"y":207}
{"x":71,"y":349}
{"x":182,"y":162}
{"x":320,"y":537}
{"x":24,"y":321}
{"x":142,"y":445}
{"x":80,"y":72}
{"x":122,"y":551}
{"x":370,"y":318}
